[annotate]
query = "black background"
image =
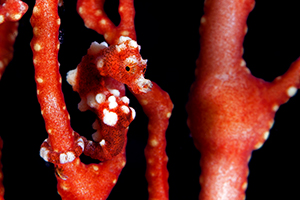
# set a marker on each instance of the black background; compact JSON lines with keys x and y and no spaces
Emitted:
{"x":168,"y":33}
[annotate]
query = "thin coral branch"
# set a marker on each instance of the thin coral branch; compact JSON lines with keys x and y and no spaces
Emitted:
{"x":158,"y":107}
{"x":93,"y":14}
{"x":11,"y":11}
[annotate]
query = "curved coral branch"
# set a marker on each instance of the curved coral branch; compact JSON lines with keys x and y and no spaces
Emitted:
{"x":93,"y":14}
{"x":230,"y":111}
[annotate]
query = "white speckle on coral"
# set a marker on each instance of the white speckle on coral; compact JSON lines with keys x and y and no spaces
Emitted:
{"x":275,"y":107}
{"x":291,"y":91}
{"x":266,"y":135}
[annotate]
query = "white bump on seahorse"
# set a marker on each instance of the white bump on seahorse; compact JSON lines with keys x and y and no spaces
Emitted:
{"x":112,"y":102}
{"x":96,"y":47}
{"x":71,"y":77}
{"x":142,"y":82}
{"x":109,"y":118}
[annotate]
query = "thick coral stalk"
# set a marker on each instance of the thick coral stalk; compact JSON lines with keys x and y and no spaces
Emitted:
{"x":230,"y":111}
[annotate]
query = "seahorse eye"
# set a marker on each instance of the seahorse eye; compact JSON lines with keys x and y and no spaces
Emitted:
{"x":127,"y":68}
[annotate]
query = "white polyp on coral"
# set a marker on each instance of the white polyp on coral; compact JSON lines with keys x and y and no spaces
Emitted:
{"x":71,"y":77}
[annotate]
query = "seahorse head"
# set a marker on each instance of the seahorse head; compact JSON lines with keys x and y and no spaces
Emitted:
{"x":124,"y":63}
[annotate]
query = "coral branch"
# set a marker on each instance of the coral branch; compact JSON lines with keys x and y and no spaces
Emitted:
{"x":10,"y":12}
{"x":45,"y":45}
{"x":158,"y":107}
{"x":77,"y":181}
{"x":230,"y":111}
{"x":93,"y":14}
{"x":7,"y":30}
